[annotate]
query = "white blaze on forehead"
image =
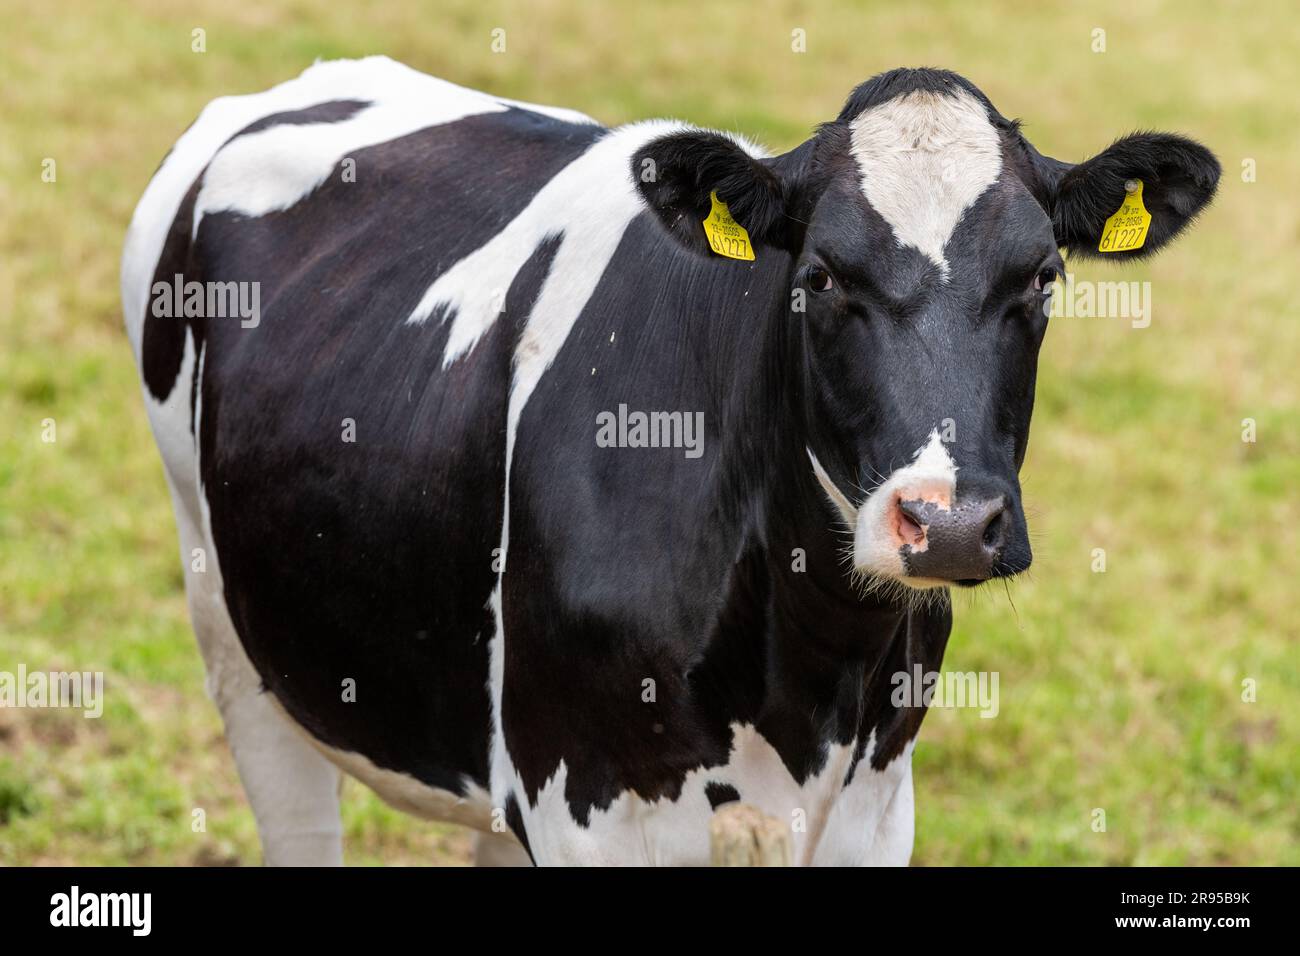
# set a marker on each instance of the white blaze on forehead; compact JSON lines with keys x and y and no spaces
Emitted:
{"x":932,"y":476}
{"x":925,"y":157}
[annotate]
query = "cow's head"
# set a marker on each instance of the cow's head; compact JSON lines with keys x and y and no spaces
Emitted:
{"x":924,"y":232}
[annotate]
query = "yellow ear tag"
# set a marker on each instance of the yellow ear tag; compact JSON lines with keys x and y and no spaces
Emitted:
{"x":726,"y":236}
{"x":1127,"y":229}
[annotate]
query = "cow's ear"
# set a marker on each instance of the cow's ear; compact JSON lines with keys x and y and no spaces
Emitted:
{"x":678,"y":173}
{"x":1178,"y":178}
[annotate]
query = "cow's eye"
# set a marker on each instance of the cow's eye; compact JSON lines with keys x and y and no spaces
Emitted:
{"x":819,"y":280}
{"x":1043,"y":281}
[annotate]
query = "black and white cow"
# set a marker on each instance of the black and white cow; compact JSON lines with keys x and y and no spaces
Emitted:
{"x":409,"y":555}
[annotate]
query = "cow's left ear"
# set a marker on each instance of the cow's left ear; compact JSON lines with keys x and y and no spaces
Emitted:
{"x":678,"y":173}
{"x":1178,"y":177}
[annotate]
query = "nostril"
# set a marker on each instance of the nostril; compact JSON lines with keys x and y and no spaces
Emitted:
{"x":911,"y":526}
{"x":994,"y":530}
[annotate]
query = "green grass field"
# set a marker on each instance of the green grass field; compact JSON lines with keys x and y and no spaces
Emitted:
{"x":1120,"y":690}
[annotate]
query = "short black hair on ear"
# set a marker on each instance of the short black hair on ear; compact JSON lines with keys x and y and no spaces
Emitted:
{"x":1179,"y":177}
{"x":676,"y":174}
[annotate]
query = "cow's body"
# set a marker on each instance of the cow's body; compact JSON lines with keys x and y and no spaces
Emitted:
{"x":419,"y":565}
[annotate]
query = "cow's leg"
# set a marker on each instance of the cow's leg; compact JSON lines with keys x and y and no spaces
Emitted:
{"x":293,"y":789}
{"x":491,"y":849}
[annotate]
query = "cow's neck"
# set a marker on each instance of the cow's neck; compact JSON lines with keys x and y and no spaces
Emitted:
{"x":820,"y":654}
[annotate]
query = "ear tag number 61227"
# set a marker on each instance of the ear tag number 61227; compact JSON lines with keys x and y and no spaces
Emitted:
{"x":726,"y":236}
{"x":1127,"y":229}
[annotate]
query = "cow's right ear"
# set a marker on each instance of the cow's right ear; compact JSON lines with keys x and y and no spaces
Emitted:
{"x":676,"y":175}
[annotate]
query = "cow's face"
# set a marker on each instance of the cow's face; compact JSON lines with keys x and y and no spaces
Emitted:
{"x":923,"y":233}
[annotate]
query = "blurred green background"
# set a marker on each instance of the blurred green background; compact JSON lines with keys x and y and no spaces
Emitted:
{"x":1119,"y":690}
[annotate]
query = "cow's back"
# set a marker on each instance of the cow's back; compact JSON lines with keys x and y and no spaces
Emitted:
{"x":351,"y":487}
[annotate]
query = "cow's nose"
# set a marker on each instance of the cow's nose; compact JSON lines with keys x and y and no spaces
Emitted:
{"x":959,"y":544}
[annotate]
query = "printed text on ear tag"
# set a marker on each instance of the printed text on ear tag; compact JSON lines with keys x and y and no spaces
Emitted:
{"x":1127,"y":229}
{"x":726,"y":236}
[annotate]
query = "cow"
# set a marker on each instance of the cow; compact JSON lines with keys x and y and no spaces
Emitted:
{"x":570,"y":482}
